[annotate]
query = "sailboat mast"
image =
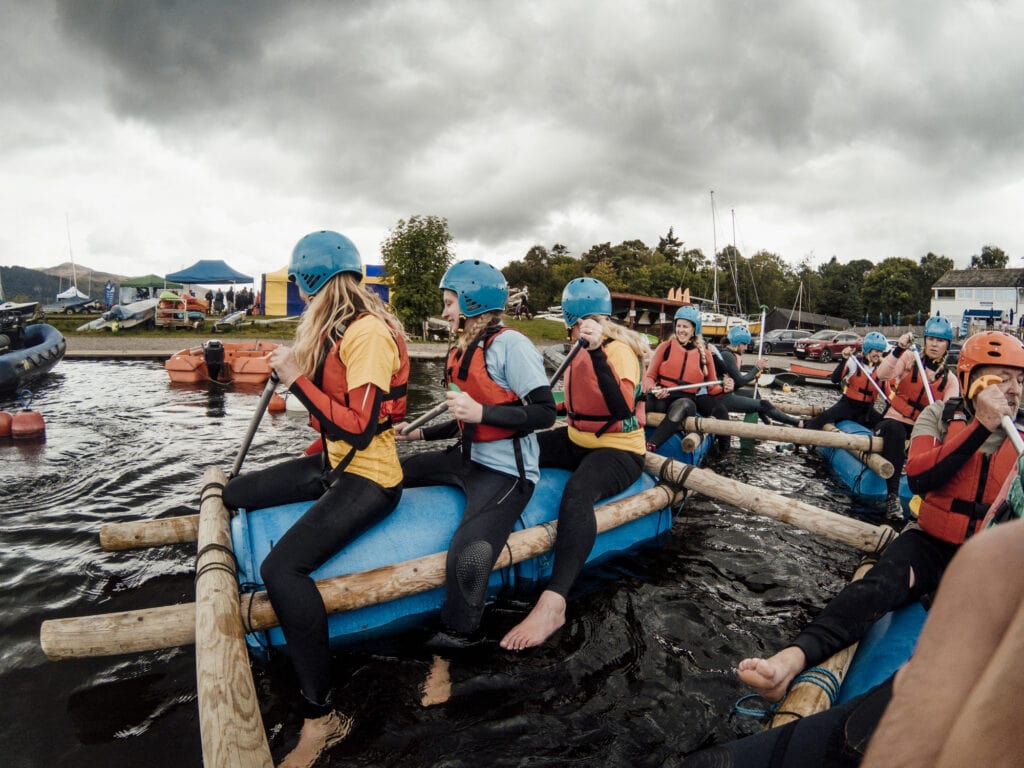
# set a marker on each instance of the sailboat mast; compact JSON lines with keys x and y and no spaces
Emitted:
{"x":714,"y":251}
{"x":734,"y":265}
{"x":74,"y":273}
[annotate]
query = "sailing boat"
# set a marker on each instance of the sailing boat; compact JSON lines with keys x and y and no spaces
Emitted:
{"x":713,"y":320}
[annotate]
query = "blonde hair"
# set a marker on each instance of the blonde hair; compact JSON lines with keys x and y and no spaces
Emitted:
{"x":635,"y":341}
{"x":342,"y":299}
{"x":475,"y":327}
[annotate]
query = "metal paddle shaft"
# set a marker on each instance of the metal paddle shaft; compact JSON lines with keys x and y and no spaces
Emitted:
{"x":684,"y":387}
{"x":760,"y":350}
{"x":565,"y":363}
{"x":1011,"y":432}
{"x":437,"y":410}
{"x":268,"y":392}
{"x":924,"y":375}
{"x":870,"y":377}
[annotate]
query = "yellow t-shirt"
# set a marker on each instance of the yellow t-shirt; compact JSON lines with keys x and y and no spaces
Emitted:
{"x":624,"y":362}
{"x":370,"y":355}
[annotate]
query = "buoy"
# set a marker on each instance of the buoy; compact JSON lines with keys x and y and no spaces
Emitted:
{"x":5,"y":424}
{"x":786,"y":388}
{"x":27,"y":424}
{"x":276,"y":404}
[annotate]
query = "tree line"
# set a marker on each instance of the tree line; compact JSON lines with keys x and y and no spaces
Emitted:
{"x":419,"y":250}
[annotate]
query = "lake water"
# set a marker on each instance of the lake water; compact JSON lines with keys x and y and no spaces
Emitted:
{"x":641,"y":675}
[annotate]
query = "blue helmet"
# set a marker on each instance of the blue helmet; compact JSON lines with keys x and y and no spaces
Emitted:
{"x":875,"y":340}
{"x":585,"y":296}
{"x":739,"y":334}
{"x":938,"y":327}
{"x":692,"y":314}
{"x":319,"y":256}
{"x":479,"y":286}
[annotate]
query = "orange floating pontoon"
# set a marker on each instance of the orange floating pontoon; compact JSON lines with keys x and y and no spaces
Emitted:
{"x":246,"y":362}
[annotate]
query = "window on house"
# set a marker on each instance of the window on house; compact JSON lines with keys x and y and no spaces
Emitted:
{"x":945,"y":293}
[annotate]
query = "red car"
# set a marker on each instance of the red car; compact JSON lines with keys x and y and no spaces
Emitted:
{"x":826,"y":345}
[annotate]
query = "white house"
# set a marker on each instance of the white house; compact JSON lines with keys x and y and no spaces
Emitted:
{"x":991,"y":296}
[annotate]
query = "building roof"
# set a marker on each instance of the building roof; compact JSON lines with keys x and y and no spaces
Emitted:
{"x":981,"y":278}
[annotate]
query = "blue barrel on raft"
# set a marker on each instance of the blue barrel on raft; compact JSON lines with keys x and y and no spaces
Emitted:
{"x":864,"y":484}
{"x":422,"y":524}
{"x":885,"y":648}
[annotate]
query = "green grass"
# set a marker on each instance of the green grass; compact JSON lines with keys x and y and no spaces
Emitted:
{"x":535,"y":330}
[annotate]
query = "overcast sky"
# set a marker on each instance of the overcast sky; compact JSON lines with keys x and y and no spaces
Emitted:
{"x":166,"y":132}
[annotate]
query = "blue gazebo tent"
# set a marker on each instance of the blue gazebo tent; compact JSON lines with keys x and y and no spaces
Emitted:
{"x":210,"y":272}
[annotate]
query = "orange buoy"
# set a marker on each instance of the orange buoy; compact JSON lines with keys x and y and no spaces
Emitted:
{"x":27,"y":424}
{"x":5,"y":424}
{"x":276,"y":404}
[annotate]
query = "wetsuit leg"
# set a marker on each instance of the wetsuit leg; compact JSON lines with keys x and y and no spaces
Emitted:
{"x":714,"y":407}
{"x":886,"y":587}
{"x":351,"y":506}
{"x":494,"y":501}
{"x":677,"y":410}
{"x":894,"y":448}
{"x":844,"y":409}
{"x":837,"y":737}
{"x":599,"y":473}
{"x":290,"y":481}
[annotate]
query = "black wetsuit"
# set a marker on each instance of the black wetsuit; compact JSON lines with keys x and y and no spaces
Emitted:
{"x":846,"y":408}
{"x":340,"y":514}
{"x":836,"y":738}
{"x":739,"y":402}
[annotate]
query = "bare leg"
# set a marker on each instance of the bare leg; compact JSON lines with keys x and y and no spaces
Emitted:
{"x":771,"y":677}
{"x":317,"y":736}
{"x":979,"y":596}
{"x":547,"y":616}
{"x":437,"y":688}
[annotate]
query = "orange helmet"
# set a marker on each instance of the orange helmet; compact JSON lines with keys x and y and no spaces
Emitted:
{"x":988,"y":348}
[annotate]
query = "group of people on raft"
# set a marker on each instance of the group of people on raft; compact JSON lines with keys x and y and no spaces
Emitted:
{"x":349,"y":366}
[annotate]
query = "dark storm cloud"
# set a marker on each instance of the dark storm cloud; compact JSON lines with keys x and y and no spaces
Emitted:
{"x":506,"y":116}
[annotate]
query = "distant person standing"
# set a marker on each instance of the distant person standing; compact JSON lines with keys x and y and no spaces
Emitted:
{"x":218,"y":302}
{"x":209,"y":299}
{"x":230,"y":296}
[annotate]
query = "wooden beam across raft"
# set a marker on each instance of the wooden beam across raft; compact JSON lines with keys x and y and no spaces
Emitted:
{"x":150,"y":629}
{"x":857,"y":444}
{"x":230,"y":724}
{"x":153,"y":628}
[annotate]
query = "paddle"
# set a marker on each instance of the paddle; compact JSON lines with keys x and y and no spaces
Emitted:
{"x":684,"y":387}
{"x":871,"y":379}
{"x":580,"y":344}
{"x":924,"y":375}
{"x":760,"y":352}
{"x":261,"y":407}
{"x":437,"y":410}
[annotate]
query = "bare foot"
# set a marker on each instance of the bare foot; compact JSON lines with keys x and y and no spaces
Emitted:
{"x":316,"y":736}
{"x":771,"y":677}
{"x":437,"y":688}
{"x":545,"y":618}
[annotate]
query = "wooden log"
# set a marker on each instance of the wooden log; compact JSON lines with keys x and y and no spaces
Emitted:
{"x":854,"y":533}
{"x":806,"y":697}
{"x":149,"y":533}
{"x":153,"y":628}
{"x":230,"y":723}
{"x":798,"y":409}
{"x":858,"y":444}
{"x":874,"y":461}
{"x":691,"y":441}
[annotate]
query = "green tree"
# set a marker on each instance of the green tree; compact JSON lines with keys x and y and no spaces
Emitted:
{"x":893,"y":286}
{"x":416,"y":255}
{"x":990,"y":257}
{"x":670,"y":246}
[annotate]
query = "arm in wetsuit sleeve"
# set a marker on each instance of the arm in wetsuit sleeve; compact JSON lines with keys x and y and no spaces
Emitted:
{"x":610,"y":385}
{"x":727,"y":362}
{"x":538,"y":412}
{"x":931,"y":462}
{"x":355,"y":423}
{"x":443,"y":431}
{"x":837,"y":374}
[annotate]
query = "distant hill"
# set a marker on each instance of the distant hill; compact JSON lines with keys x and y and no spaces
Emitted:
{"x":43,"y":285}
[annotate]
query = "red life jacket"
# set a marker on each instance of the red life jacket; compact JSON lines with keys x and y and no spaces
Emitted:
{"x":468,"y":371}
{"x":683,"y":365}
{"x":958,"y":509}
{"x":585,"y":406}
{"x":859,"y":388}
{"x":331,"y":377}
{"x":907,"y":396}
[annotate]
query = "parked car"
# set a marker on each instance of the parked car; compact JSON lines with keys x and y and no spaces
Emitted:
{"x":781,"y":340}
{"x":827,"y":345}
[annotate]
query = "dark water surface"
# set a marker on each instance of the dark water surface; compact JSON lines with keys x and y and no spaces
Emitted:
{"x":641,"y":675}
